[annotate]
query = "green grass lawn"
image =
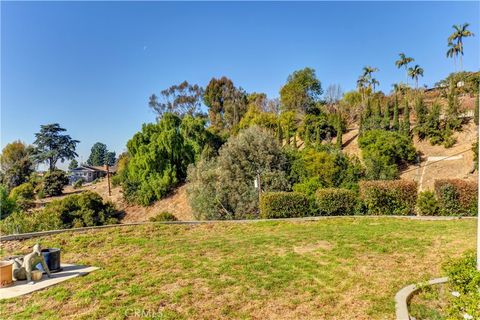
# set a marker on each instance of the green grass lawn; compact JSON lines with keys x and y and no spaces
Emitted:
{"x":342,"y":268}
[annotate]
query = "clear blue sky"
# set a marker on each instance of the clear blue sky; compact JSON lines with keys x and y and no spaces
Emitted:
{"x":91,"y":66}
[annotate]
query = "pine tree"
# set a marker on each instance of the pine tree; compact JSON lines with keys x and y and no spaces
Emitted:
{"x":421,"y":113}
{"x":452,"y":120}
{"x":396,"y":124}
{"x":406,"y":119}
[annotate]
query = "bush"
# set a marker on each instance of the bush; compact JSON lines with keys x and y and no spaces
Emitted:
{"x":23,"y":195}
{"x":336,"y":202}
{"x":7,"y":204}
{"x":397,"y":197}
{"x":427,"y":204}
{"x":53,"y":183}
{"x":457,"y":197}
{"x":82,"y":210}
{"x":163,"y":216}
{"x":223,"y":187}
{"x":78,"y":184}
{"x":283,"y":205}
{"x":464,"y":279}
{"x":383,"y":151}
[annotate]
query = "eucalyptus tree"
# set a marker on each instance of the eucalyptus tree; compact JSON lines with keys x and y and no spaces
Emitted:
{"x":460,"y":32}
{"x":179,"y":99}
{"x":414,"y":73}
{"x":404,"y":61}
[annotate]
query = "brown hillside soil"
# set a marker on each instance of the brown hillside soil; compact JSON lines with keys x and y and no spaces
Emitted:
{"x":176,"y":203}
{"x":445,"y":169}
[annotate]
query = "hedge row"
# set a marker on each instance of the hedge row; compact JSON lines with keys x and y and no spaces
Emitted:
{"x":393,"y":197}
{"x":284,"y":205}
{"x":380,"y":197}
{"x":336,"y":202}
{"x":456,"y":196}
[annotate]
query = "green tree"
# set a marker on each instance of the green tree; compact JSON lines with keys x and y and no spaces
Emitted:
{"x":15,"y":164}
{"x":383,"y":151}
{"x":404,"y":61}
{"x":7,"y":204}
{"x":110,"y":158}
{"x":302,"y":91}
{"x":51,"y":145}
{"x":452,"y":115}
{"x":73,"y":164}
{"x":406,"y":119}
{"x":223,"y":187}
{"x":460,"y":32}
{"x":97,"y":154}
{"x":396,"y":121}
{"x":158,"y":157}
{"x":226,"y":103}
{"x":421,"y":114}
{"x":181,"y":99}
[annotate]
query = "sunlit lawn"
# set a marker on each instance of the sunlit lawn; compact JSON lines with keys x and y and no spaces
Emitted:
{"x":345,"y":268}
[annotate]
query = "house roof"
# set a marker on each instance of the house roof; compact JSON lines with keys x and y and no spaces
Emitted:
{"x":85,"y":167}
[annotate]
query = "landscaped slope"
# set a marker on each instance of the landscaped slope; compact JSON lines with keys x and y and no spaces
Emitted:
{"x":342,"y":268}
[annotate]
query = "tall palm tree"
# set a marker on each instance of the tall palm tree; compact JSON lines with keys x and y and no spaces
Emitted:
{"x":414,"y":73}
{"x":404,"y":61}
{"x":452,"y":52}
{"x":374,"y":82}
{"x":460,"y":32}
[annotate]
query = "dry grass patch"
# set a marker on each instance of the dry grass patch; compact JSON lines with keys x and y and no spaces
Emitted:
{"x":343,"y":268}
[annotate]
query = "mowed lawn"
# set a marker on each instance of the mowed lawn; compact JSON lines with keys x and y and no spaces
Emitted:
{"x":340,"y":268}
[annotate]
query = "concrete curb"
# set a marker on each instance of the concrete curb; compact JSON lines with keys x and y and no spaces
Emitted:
{"x":403,"y":297}
{"x":22,"y":236}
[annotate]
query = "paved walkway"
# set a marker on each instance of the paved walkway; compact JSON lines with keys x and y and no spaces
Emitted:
{"x":19,"y":288}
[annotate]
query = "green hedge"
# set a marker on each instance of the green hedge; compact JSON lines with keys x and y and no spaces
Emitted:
{"x":392,"y":197}
{"x":457,"y":197}
{"x":284,"y":205}
{"x":336,"y":201}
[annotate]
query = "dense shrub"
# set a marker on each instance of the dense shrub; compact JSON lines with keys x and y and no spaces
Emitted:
{"x":223,"y":187}
{"x":464,"y":278}
{"x":23,"y":195}
{"x":457,"y":197}
{"x":397,"y":197}
{"x":158,"y":156}
{"x":53,"y":182}
{"x":163,"y":216}
{"x":383,"y":151}
{"x":323,"y":167}
{"x":283,"y":205}
{"x":7,"y":204}
{"x":427,"y":204}
{"x":336,"y":202}
{"x":78,"y":184}
{"x":82,"y":210}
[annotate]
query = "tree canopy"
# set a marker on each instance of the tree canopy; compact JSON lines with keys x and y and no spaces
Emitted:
{"x":15,"y":164}
{"x":181,"y":99}
{"x":51,"y":145}
{"x":301,"y":92}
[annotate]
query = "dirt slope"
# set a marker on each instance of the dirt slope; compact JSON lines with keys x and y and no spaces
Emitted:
{"x":176,"y":203}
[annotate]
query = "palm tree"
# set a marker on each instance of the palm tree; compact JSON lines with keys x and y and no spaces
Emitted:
{"x":452,"y":52}
{"x":414,"y":73}
{"x":367,"y":76}
{"x":403,"y":62}
{"x":374,"y":82}
{"x":460,"y":32}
